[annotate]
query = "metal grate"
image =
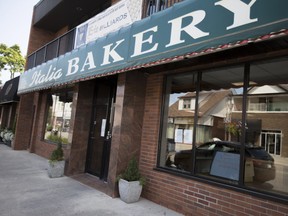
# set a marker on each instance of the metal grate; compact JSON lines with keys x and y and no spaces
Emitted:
{"x":153,"y":6}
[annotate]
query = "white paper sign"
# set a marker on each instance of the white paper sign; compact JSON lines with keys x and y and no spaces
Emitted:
{"x":188,"y":136}
{"x":179,"y":135}
{"x":103,"y":126}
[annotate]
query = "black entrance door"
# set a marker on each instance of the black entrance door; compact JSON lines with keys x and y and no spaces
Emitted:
{"x":97,"y":161}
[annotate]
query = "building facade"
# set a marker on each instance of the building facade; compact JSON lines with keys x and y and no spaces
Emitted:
{"x":193,"y":91}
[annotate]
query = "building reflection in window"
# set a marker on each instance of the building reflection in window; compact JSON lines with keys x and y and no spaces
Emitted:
{"x":268,"y":102}
{"x":217,"y":127}
{"x":59,"y":109}
{"x":179,"y":116}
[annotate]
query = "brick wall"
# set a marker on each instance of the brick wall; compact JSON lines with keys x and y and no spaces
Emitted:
{"x":184,"y":195}
{"x":24,"y":122}
{"x":38,"y":38}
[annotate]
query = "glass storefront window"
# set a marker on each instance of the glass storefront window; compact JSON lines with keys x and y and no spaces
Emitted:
{"x":218,"y":132}
{"x":178,"y":118}
{"x":59,"y":109}
{"x":271,"y":88}
{"x":229,"y":124}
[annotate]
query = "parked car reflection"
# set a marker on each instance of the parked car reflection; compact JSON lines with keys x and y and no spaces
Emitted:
{"x":263,"y":162}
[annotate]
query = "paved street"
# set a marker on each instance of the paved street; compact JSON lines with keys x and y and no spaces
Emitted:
{"x":26,"y":190}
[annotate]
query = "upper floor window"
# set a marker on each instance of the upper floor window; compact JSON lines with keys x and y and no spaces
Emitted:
{"x":275,"y":103}
{"x":186,"y":104}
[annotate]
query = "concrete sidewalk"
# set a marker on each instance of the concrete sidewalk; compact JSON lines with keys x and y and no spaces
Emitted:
{"x":26,"y":190}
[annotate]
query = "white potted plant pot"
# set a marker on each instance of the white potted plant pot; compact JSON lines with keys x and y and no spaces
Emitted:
{"x":56,"y":169}
{"x":56,"y":162}
{"x":129,"y":191}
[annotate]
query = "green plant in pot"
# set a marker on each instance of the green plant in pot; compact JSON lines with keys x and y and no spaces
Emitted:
{"x":56,"y":162}
{"x":131,"y":183}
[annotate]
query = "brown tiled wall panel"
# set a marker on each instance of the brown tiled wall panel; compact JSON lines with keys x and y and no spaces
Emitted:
{"x":128,"y":123}
{"x":80,"y":122}
{"x":188,"y":196}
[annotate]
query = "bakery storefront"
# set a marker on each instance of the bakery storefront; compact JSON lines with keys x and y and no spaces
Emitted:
{"x":199,"y":92}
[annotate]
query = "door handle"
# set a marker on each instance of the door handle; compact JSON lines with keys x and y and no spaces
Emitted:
{"x":109,"y":135}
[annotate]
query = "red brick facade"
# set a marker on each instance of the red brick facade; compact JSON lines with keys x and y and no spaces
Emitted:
{"x":137,"y":122}
{"x":136,"y":101}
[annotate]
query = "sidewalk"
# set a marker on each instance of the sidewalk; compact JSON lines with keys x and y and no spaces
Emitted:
{"x":26,"y":190}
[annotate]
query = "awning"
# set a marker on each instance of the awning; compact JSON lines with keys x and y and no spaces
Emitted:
{"x":8,"y":93}
{"x":187,"y":29}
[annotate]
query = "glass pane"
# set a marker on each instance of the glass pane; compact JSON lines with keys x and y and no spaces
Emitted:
{"x":51,"y":50}
{"x":66,"y":43}
{"x":59,"y":117}
{"x":269,"y":81}
{"x":218,"y":131}
{"x":40,"y":56}
{"x":30,"y":61}
{"x":178,"y":121}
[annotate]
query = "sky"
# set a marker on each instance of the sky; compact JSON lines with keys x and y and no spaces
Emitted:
{"x":15,"y":22}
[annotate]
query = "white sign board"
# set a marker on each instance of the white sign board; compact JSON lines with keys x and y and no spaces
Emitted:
{"x":112,"y":19}
{"x":103,"y":127}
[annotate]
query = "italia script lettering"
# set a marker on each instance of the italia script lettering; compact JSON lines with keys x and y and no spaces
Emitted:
{"x":39,"y":78}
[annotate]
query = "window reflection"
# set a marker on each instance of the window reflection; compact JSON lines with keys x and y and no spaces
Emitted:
{"x":218,"y":147}
{"x":178,"y":118}
{"x":269,"y":97}
{"x":59,"y":117}
{"x":206,"y":132}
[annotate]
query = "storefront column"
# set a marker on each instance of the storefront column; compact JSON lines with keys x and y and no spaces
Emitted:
{"x":80,"y":119}
{"x":128,"y":121}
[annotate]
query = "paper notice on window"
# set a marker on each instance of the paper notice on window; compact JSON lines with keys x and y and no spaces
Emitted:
{"x":188,"y":136}
{"x":179,"y":135}
{"x":103,"y":126}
